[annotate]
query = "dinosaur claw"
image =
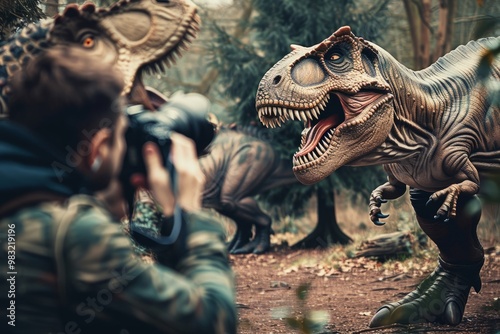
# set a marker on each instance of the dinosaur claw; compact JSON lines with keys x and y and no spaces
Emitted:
{"x":381,"y":318}
{"x":441,"y":217}
{"x":381,"y":200}
{"x":379,"y":223}
{"x":452,"y":314}
{"x":379,"y":215}
{"x":429,"y":201}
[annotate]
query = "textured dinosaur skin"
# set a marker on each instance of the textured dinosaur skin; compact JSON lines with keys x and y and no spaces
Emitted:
{"x":434,"y":130}
{"x":132,"y":35}
{"x":240,"y":165}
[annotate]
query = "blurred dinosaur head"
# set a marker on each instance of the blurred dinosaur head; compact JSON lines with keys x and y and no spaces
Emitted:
{"x":133,"y":36}
{"x":337,"y":90}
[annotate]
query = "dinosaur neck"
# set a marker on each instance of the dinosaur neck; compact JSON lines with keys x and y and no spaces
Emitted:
{"x":425,"y":103}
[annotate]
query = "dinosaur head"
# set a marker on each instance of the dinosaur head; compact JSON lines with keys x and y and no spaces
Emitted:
{"x":337,"y":90}
{"x":134,"y":36}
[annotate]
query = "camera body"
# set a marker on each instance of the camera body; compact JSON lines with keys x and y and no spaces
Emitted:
{"x":186,"y":114}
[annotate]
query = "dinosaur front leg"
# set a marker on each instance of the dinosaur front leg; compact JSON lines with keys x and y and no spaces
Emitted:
{"x":462,"y":168}
{"x":392,"y":189}
{"x":448,"y":209}
{"x":442,"y":296}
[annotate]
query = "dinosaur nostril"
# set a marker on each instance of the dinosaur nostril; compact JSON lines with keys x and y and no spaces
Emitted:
{"x":277,"y":80}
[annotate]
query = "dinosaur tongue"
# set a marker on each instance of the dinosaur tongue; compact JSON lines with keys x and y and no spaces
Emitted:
{"x":316,"y":133}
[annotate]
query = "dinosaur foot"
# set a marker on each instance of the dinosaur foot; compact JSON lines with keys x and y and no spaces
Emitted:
{"x":241,"y":238}
{"x":441,"y":297}
{"x":259,"y":245}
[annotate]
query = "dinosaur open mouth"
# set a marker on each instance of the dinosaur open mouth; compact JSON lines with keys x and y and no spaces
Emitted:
{"x":317,"y":134}
{"x":184,"y":35}
{"x":323,"y":119}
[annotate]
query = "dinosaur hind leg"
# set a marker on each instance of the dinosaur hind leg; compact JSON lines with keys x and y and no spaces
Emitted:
{"x":442,"y":296}
{"x":247,"y":212}
{"x":242,"y":236}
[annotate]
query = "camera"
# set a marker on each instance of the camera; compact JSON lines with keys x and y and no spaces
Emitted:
{"x":186,"y":114}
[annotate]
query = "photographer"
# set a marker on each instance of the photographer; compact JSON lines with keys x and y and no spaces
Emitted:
{"x":73,"y":267}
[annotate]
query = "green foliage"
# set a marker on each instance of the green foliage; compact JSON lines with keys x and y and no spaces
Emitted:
{"x":273,"y":27}
{"x":303,"y":320}
{"x":15,"y":14}
{"x":490,"y":187}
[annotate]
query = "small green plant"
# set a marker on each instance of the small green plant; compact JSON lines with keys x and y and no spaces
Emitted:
{"x":303,"y":320}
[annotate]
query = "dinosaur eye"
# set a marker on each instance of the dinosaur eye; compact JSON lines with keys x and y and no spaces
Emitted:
{"x":88,"y":42}
{"x":335,"y":57}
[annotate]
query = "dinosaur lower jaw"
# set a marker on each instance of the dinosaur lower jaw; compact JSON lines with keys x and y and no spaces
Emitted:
{"x":341,"y":113}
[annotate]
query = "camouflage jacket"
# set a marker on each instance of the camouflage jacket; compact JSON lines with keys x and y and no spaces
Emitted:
{"x":107,"y":288}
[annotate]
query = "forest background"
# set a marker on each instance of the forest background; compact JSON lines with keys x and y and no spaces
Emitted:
{"x":329,"y":290}
{"x":241,"y":39}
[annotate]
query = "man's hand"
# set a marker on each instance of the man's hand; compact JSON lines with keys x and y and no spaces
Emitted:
{"x":190,"y":177}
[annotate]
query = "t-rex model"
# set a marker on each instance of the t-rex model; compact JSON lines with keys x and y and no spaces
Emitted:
{"x":240,"y":165}
{"x":434,"y":130}
{"x":133,"y":36}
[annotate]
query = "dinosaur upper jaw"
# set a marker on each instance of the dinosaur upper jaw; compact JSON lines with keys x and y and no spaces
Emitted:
{"x":136,"y":92}
{"x":149,"y":36}
{"x":330,"y":138}
{"x":184,"y":35}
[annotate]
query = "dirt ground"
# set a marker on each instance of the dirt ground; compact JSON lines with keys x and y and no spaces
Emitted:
{"x":347,"y":292}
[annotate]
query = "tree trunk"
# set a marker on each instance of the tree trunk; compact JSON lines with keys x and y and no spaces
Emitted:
{"x":425,"y":34}
{"x":51,"y":7}
{"x":413,"y":22}
{"x":418,"y":13}
{"x":445,"y":29}
{"x":327,"y":230}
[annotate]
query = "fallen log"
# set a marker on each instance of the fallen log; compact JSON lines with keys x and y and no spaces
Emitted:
{"x":390,"y":245}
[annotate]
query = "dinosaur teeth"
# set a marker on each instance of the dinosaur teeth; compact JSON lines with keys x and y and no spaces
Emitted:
{"x":183,"y":45}
{"x":160,"y":67}
{"x":192,"y":33}
{"x":321,"y":146}
{"x":307,"y":116}
{"x":297,"y":114}
{"x":173,"y":59}
{"x":178,"y":53}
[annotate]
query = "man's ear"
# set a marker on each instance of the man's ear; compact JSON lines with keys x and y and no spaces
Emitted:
{"x":99,"y":146}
